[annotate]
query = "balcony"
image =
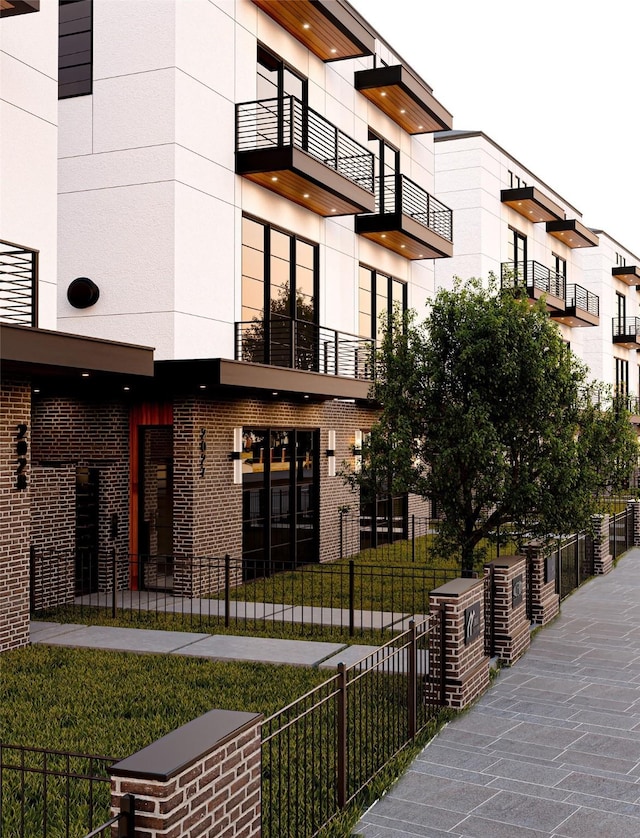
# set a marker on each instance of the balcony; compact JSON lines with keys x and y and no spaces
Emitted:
{"x":287,"y":147}
{"x":531,"y":203}
{"x":573,"y":233}
{"x":582,"y":308}
{"x":18,"y":7}
{"x":629,"y":274}
{"x":326,"y":27}
{"x":300,"y":345}
{"x":408,"y":220}
{"x":537,"y":280}
{"x":626,"y":332}
{"x":18,"y":284}
{"x":403,"y":97}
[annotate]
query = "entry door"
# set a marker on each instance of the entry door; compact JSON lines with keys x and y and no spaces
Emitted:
{"x":87,"y":498}
{"x":155,"y":528}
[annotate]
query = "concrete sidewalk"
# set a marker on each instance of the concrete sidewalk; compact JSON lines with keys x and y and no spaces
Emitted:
{"x":212,"y":646}
{"x":552,"y":748}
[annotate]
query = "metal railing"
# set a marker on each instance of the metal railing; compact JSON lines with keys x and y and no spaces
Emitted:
{"x":286,"y":121}
{"x":398,"y":194}
{"x":57,"y":794}
{"x":532,"y":276}
{"x":337,"y":598}
{"x":321,"y":751}
{"x":620,"y":532}
{"x":301,"y":345}
{"x":579,"y":297}
{"x":18,"y":284}
{"x":627,"y":328}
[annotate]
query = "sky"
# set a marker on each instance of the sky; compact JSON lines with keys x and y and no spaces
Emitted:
{"x":556,"y":83}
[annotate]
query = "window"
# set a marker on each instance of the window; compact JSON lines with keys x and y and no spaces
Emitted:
{"x":386,"y":163}
{"x":377,"y":296}
{"x":276,"y":79}
{"x":75,"y":48}
{"x":515,"y":181}
{"x":560,"y":265}
{"x":622,"y":377}
{"x":517,"y":253}
{"x":621,"y":308}
{"x":620,"y":260}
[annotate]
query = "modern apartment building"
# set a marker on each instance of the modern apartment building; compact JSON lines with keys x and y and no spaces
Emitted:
{"x":247,"y":187}
{"x":511,"y":223}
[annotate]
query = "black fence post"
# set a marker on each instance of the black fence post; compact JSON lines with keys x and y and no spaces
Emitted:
{"x":227,"y":588}
{"x":413,"y":538}
{"x":352,"y":588}
{"x":342,"y":533}
{"x":412,"y":685}
{"x":127,"y":825}
{"x":114,"y":580}
{"x":342,"y":736}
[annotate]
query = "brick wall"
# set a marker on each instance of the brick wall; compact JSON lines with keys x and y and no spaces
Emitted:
{"x":510,"y":633}
{"x":598,"y":546}
{"x":545,"y":602}
{"x":52,"y":535}
{"x":203,"y":779}
{"x":15,"y":505}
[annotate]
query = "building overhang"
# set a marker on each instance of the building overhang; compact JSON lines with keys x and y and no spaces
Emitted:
{"x":18,"y":7}
{"x":575,"y":316}
{"x":326,"y":27}
{"x":301,"y":178}
{"x":630,"y":274}
{"x":403,"y":235}
{"x":42,"y":352}
{"x":244,"y":379}
{"x":533,"y":204}
{"x":573,"y":233}
{"x":405,"y":98}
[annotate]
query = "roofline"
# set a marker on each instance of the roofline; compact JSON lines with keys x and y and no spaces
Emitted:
{"x":615,"y":241}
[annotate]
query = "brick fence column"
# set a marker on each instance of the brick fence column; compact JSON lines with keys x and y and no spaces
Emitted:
{"x":202,"y":779}
{"x":510,"y":622}
{"x":598,"y":546}
{"x":545,"y":602}
{"x":635,"y":505}
{"x":466,"y":667}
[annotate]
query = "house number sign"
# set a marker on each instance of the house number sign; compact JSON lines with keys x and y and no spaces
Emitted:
{"x":21,"y":455}
{"x":517,"y":591}
{"x":471,"y":623}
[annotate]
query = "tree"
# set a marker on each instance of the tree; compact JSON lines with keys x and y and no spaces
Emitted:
{"x":485,"y":410}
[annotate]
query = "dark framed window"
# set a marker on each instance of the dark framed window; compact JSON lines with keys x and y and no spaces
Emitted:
{"x":622,"y":376}
{"x":620,"y":260}
{"x":621,"y":309}
{"x":559,"y":265}
{"x":386,"y":165}
{"x":378,"y":294}
{"x":277,"y":79}
{"x":517,"y":253}
{"x":75,"y":48}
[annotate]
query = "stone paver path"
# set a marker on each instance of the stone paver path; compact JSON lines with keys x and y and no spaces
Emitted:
{"x":553,"y":747}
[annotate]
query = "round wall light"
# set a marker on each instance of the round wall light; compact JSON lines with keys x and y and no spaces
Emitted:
{"x":83,"y":292}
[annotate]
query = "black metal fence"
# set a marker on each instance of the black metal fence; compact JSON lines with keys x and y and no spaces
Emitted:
{"x":346,"y":597}
{"x":399,"y":194}
{"x":57,"y":794}
{"x":620,"y":532}
{"x":533,"y":276}
{"x":321,"y":751}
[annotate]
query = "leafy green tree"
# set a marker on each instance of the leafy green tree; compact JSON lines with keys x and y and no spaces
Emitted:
{"x":485,"y":410}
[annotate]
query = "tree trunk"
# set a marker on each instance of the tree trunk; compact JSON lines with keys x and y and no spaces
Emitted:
{"x":467,"y":560}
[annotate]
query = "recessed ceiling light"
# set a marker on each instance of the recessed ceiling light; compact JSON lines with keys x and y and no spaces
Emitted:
{"x":203,"y":386}
{"x":274,"y":179}
{"x":126,"y":388}
{"x":306,"y":26}
{"x":402,"y":110}
{"x":274,"y":393}
{"x":403,"y":246}
{"x":383,"y":236}
{"x":85,"y":375}
{"x":420,"y":127}
{"x":334,"y":50}
{"x":36,"y":389}
{"x":420,"y":256}
{"x":333,"y":210}
{"x":306,"y":397}
{"x":306,"y":195}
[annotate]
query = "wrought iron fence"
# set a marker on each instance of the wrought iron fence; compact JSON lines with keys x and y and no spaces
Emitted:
{"x":298,"y":344}
{"x":286,"y":121}
{"x":321,"y":751}
{"x":57,"y":794}
{"x":574,"y":564}
{"x":342,"y":598}
{"x":620,"y":532}
{"x":18,"y":284}
{"x":398,"y":194}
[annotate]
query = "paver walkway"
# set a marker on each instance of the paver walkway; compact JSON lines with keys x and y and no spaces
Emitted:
{"x":553,"y":747}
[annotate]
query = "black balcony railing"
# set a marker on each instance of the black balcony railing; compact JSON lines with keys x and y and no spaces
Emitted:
{"x":286,"y":121}
{"x":579,"y":297}
{"x":626,"y":329}
{"x":534,"y":277}
{"x":18,"y":284}
{"x":298,"y":344}
{"x":397,"y":194}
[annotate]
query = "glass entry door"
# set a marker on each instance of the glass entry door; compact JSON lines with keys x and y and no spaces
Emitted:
{"x":280,"y":500}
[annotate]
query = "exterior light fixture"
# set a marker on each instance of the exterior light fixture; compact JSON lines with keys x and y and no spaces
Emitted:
{"x":306,"y":195}
{"x":357,"y":452}
{"x":125,"y":388}
{"x":306,"y":26}
{"x":402,"y":110}
{"x":384,"y":93}
{"x":235,"y":455}
{"x":334,"y":50}
{"x":274,"y":179}
{"x":85,"y":375}
{"x":331,"y":454}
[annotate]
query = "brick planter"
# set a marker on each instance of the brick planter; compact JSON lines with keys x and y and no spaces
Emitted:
{"x":466,"y":667}
{"x":508,"y":576}
{"x":203,"y":779}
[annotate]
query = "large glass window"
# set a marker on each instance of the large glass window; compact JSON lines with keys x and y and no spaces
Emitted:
{"x":386,"y":162}
{"x":517,"y":253}
{"x":378,"y":293}
{"x":276,"y":79}
{"x":622,"y":376}
{"x":280,"y":499}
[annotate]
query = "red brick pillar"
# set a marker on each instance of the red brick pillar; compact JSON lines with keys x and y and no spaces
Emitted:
{"x":545,"y":602}
{"x":202,"y":779}
{"x":466,"y":667}
{"x":599,"y":544}
{"x":508,"y":577}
